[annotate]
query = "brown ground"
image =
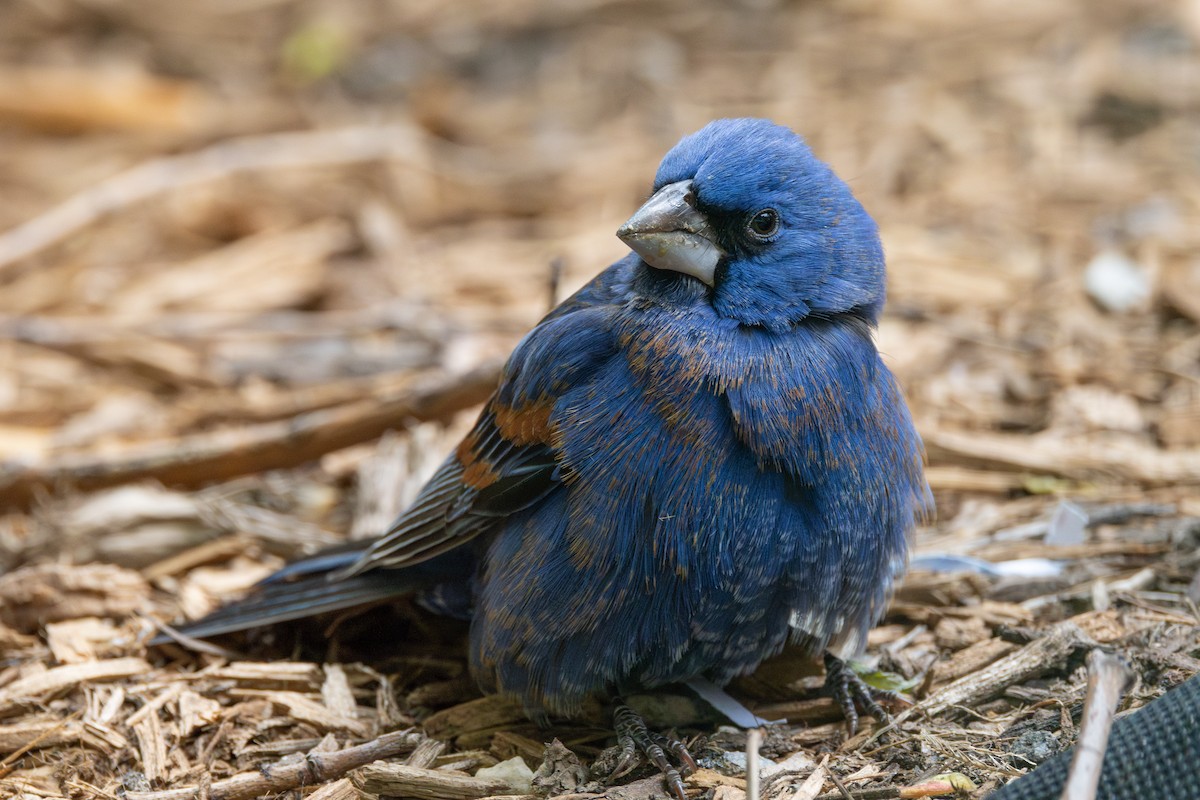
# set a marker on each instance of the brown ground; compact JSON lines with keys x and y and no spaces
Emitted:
{"x":241,"y":240}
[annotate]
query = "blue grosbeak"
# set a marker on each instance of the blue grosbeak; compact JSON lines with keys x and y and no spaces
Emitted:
{"x":696,"y":457}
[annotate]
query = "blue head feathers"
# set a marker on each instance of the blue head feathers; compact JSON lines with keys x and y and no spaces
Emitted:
{"x":790,"y":240}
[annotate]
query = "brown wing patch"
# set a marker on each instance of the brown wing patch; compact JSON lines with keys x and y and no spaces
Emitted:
{"x":478,"y":472}
{"x":525,"y":424}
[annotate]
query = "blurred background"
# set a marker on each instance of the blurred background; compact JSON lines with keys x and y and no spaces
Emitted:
{"x":241,"y":239}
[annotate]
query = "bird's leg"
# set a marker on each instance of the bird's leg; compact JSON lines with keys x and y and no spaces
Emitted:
{"x":852,"y":693}
{"x":634,"y":737}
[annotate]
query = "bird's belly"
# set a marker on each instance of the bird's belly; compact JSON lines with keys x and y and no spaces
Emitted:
{"x":668,"y":553}
{"x":554,"y":626}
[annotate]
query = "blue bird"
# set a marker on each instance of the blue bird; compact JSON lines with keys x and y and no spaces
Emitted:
{"x":696,"y":458}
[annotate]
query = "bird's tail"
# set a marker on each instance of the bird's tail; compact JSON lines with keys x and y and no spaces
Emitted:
{"x":310,"y":586}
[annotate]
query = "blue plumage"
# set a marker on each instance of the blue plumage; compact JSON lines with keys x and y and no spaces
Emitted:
{"x":694,"y":458}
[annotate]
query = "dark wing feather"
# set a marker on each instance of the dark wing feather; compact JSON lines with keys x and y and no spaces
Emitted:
{"x":488,"y":478}
{"x":299,"y":598}
{"x":508,"y":462}
{"x":303,"y":589}
{"x":458,"y":504}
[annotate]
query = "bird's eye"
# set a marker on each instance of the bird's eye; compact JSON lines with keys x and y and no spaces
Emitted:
{"x":763,"y":224}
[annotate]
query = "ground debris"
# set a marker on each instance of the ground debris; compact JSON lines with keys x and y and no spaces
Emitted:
{"x":35,"y":596}
{"x":259,"y":263}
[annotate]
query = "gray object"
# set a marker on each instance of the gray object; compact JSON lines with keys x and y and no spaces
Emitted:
{"x":1152,"y":753}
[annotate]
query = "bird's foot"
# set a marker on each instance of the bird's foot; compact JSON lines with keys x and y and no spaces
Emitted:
{"x":635,"y":738}
{"x":852,"y":694}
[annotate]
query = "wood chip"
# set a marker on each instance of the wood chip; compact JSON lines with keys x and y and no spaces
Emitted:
{"x":152,"y":746}
{"x":38,"y":687}
{"x":273,"y":269}
{"x":336,"y":692}
{"x":476,"y":715}
{"x":424,"y":784}
{"x":225,"y":454}
{"x":1050,"y":454}
{"x":33,"y":596}
{"x":301,"y":708}
{"x":273,"y":779}
{"x":1039,"y":655}
{"x":506,"y":744}
{"x":74,"y":99}
{"x":11,"y":641}
{"x":196,"y":711}
{"x":151,"y":708}
{"x":971,"y":659}
{"x":270,"y":674}
{"x":216,"y":550}
{"x":31,"y":734}
{"x":85,"y":639}
{"x":341,"y":789}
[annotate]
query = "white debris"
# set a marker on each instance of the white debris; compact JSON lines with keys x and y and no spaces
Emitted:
{"x":1067,"y":525}
{"x":514,"y":772}
{"x":1116,"y":282}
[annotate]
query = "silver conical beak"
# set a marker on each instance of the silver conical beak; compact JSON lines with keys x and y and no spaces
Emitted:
{"x":668,"y":232}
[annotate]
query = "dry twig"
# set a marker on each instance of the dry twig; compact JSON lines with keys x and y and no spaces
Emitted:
{"x":314,"y":768}
{"x":754,"y":740}
{"x":227,"y":454}
{"x":1067,"y":457}
{"x":1108,"y":677}
{"x":154,"y":177}
{"x":1035,"y":657}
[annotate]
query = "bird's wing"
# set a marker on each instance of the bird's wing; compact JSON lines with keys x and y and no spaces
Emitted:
{"x":487,"y":478}
{"x":509,"y":460}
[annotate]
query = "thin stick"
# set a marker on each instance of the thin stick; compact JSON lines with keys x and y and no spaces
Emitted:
{"x":282,"y":777}
{"x":228,"y":454}
{"x":1070,"y":458}
{"x":274,"y":151}
{"x":841,"y":786}
{"x":196,"y":645}
{"x":8,"y":764}
{"x":1032,"y":659}
{"x":754,"y":739}
{"x":1108,"y":678}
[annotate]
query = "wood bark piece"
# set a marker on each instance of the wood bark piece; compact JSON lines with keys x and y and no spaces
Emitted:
{"x":426,"y":754}
{"x":1035,"y":657}
{"x":341,"y":789}
{"x":1066,"y":457}
{"x":227,"y":454}
{"x":475,"y":715}
{"x":314,"y":768}
{"x":301,"y":708}
{"x":23,"y":737}
{"x":47,"y":683}
{"x":268,"y":674}
{"x":425,"y":784}
{"x":152,"y":747}
{"x":970,"y":659}
{"x":75,"y":99}
{"x":31,"y":597}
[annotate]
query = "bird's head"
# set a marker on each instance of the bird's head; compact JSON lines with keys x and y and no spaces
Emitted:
{"x":744,"y":207}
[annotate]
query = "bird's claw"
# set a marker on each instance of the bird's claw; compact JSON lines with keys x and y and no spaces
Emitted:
{"x":634,"y":737}
{"x":852,"y":693}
